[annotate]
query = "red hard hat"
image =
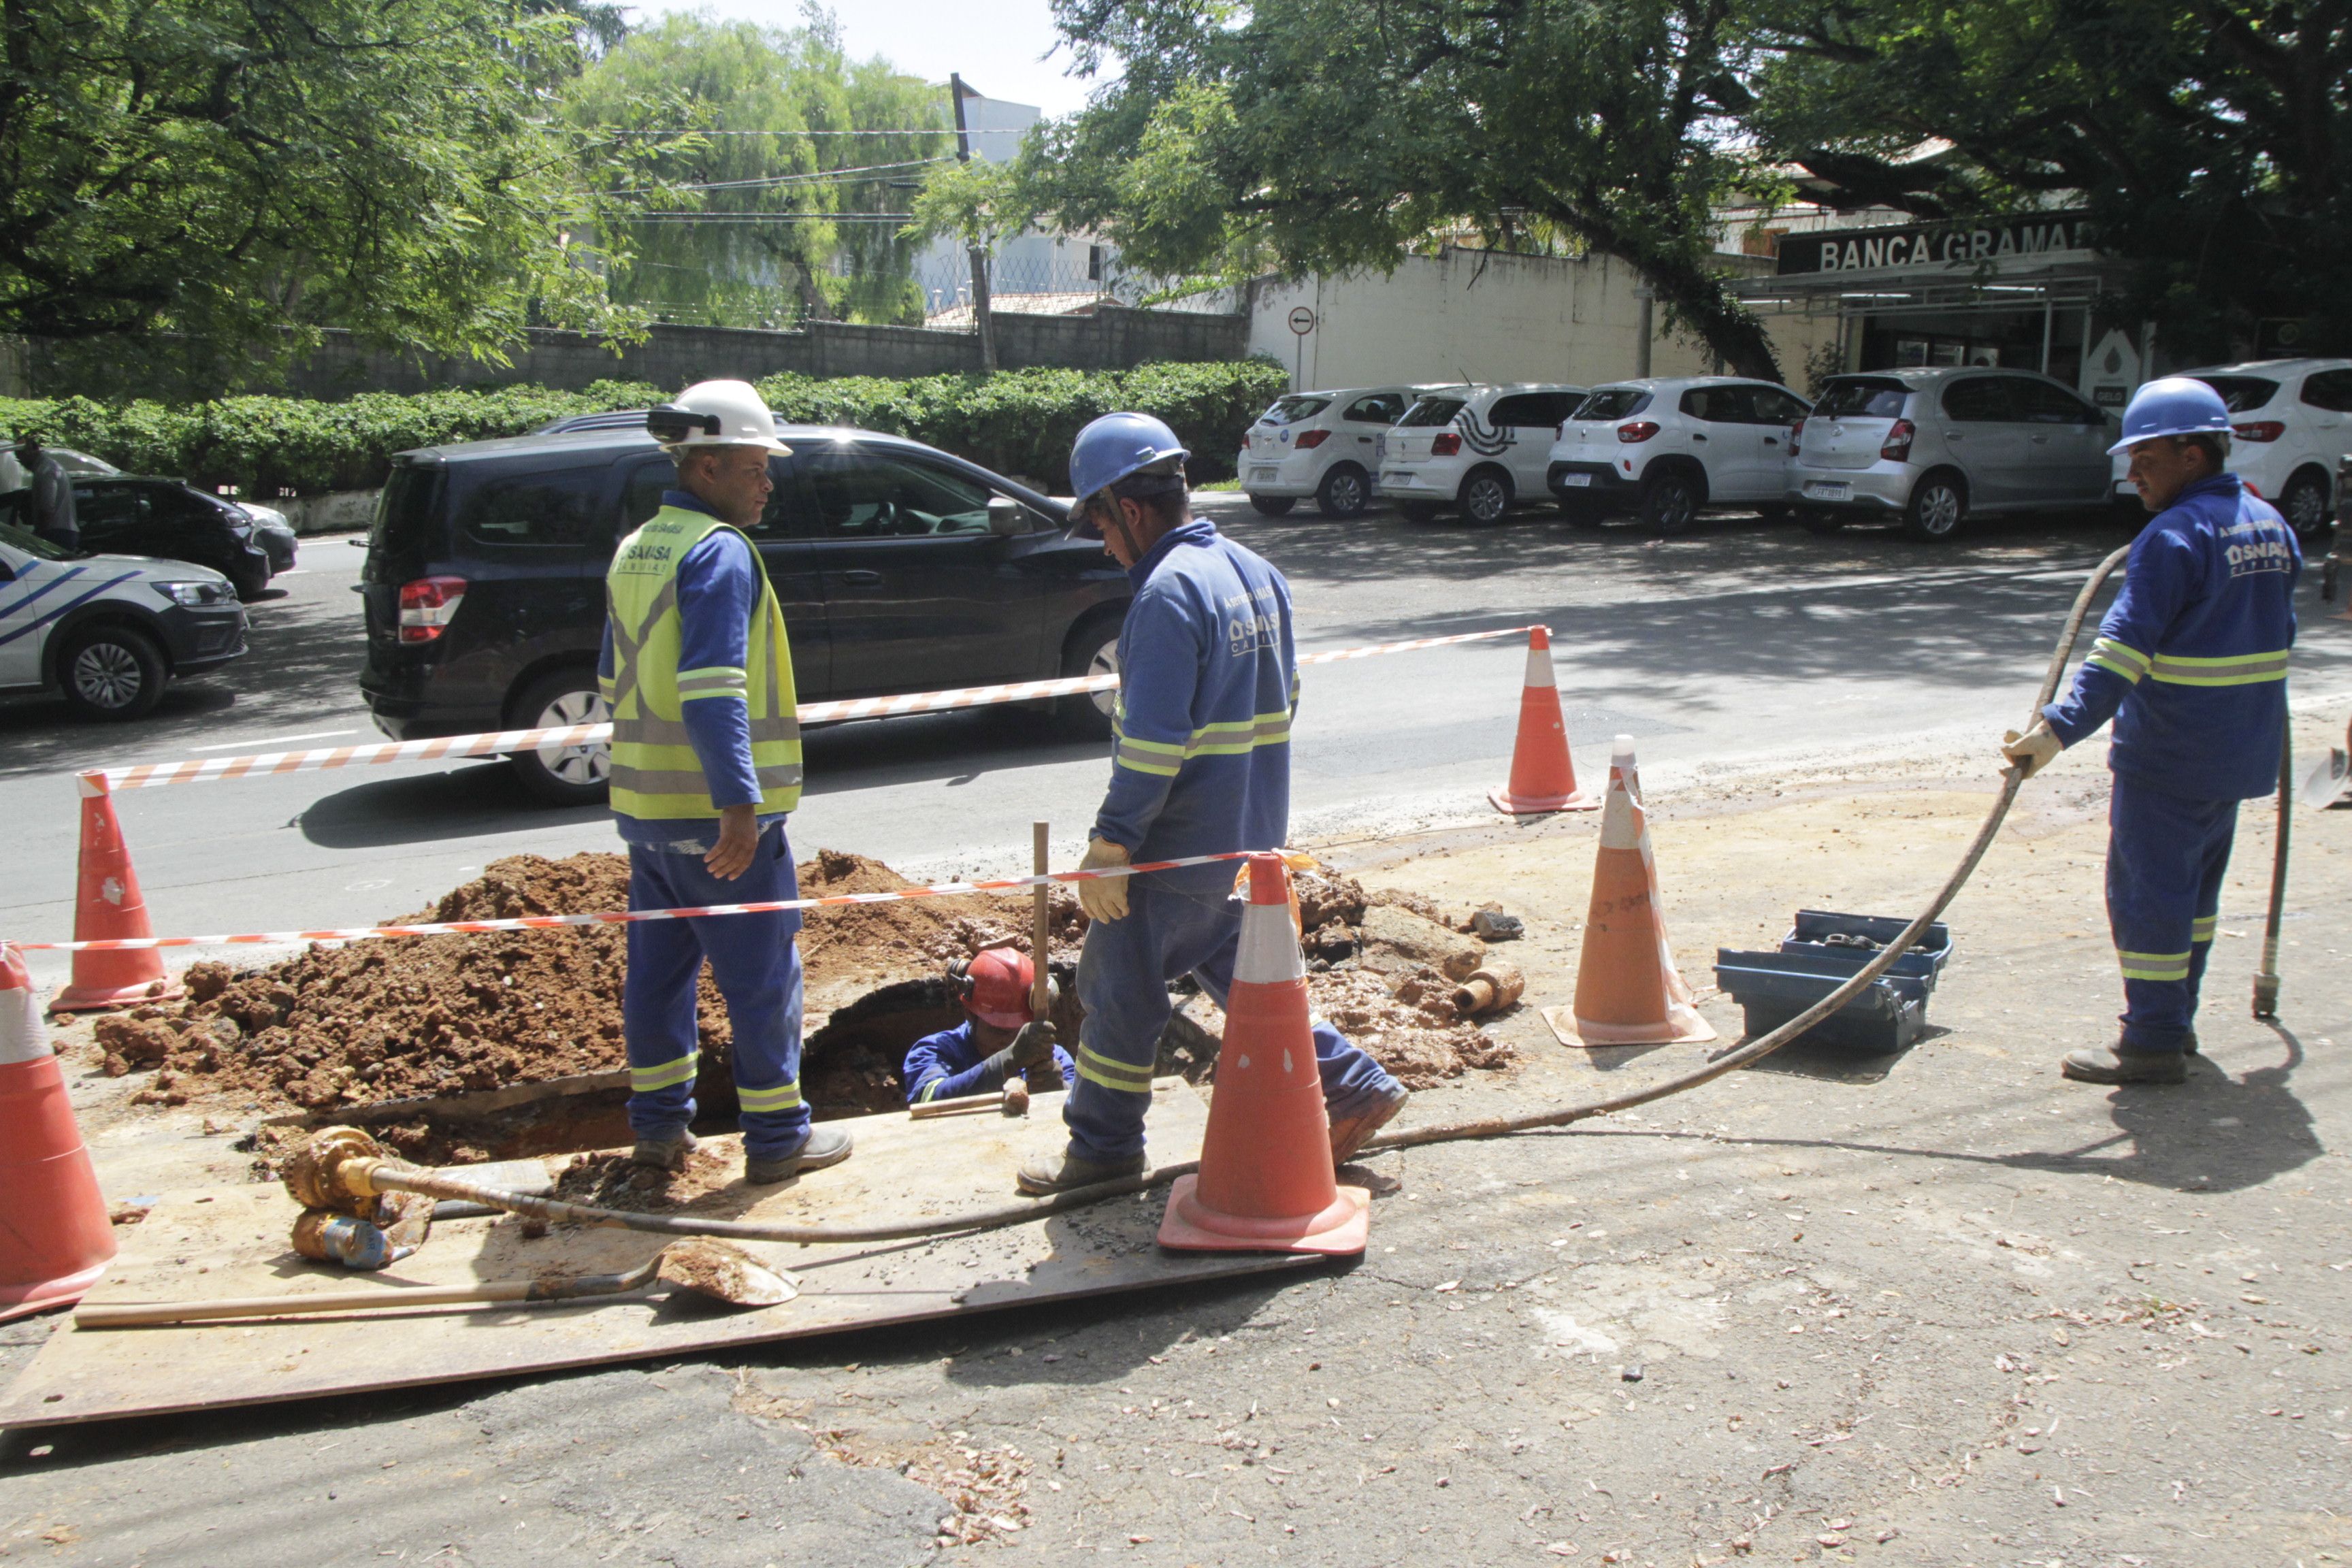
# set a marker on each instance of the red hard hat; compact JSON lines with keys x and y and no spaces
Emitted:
{"x":996,"y":987}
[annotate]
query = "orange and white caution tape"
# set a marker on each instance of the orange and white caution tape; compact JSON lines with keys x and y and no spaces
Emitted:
{"x":628,"y":917}
{"x":148,"y":776}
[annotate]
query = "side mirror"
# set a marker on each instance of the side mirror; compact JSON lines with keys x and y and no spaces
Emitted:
{"x":1007,"y":517}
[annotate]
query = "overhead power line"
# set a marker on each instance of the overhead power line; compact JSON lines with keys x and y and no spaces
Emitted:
{"x":913,"y":130}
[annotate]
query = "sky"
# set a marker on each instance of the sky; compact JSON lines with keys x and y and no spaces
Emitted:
{"x":996,"y":44}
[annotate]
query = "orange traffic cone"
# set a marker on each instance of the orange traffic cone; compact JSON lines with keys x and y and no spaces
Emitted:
{"x":108,"y":907}
{"x":1543,"y":776}
{"x":1628,"y":991}
{"x":54,"y":1238}
{"x":1265,"y":1182}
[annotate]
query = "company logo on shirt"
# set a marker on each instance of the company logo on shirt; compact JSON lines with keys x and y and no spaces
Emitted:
{"x":2262,"y":555}
{"x":1252,"y":621}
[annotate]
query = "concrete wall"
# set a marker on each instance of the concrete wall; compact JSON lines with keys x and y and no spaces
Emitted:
{"x":1485,"y":316}
{"x":1113,"y":339}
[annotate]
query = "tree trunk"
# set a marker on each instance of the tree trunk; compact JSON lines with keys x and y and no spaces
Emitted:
{"x":1697,"y":297}
{"x":982,"y":317}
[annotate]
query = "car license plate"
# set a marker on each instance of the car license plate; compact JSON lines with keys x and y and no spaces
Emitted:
{"x":1398,"y":478}
{"x":1264,"y":476}
{"x":1575,"y":481}
{"x":1821,"y":490}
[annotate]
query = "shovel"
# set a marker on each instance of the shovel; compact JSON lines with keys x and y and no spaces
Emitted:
{"x":699,"y":1267}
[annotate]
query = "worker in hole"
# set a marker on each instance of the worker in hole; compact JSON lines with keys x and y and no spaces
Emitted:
{"x":2191,"y":663}
{"x":997,"y":1040}
{"x":697,"y":672}
{"x":1209,"y":675}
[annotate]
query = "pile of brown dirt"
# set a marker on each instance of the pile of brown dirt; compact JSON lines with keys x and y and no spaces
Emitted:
{"x":1407,"y":1023}
{"x":611,"y":1182}
{"x":424,"y":1016}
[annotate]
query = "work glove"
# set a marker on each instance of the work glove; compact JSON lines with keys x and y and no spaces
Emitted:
{"x":1105,"y":899}
{"x":2033,"y":749}
{"x":1033,"y":1046}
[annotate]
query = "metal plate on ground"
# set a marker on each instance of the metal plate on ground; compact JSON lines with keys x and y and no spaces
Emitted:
{"x":232,"y":1241}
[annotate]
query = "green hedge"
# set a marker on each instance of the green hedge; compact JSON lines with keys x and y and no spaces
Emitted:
{"x":1018,"y":422}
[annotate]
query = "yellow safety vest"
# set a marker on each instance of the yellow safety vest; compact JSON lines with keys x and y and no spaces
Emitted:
{"x":656,"y":773}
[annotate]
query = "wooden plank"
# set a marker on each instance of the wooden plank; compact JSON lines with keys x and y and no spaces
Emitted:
{"x":231,"y":1241}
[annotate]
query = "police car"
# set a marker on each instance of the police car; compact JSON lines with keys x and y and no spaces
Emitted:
{"x":110,"y":630}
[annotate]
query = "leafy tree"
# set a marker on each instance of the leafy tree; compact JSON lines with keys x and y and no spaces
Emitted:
{"x":979,"y":205}
{"x":242,"y":172}
{"x":733,"y":148}
{"x":1332,"y":134}
{"x":2212,"y":140}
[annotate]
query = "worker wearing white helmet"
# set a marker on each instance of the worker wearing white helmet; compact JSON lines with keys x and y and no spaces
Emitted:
{"x":696,"y":671}
{"x":2191,"y":665}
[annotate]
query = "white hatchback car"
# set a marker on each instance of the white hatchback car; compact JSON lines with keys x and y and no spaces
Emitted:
{"x":108,"y":630}
{"x":1481,"y":449}
{"x":1320,"y":444}
{"x":2290,"y":425}
{"x":1670,"y":447}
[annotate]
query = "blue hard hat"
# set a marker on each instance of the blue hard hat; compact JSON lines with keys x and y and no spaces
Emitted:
{"x":1116,"y":445}
{"x":2176,"y":406}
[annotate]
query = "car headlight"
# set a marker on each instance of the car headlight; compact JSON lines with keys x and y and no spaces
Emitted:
{"x":193,"y":594}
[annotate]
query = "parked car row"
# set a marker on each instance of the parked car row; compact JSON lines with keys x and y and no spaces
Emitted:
{"x":134,"y":514}
{"x":1926,"y":448}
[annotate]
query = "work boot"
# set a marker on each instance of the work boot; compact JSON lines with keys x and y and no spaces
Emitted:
{"x":1350,"y":1134}
{"x":825,"y":1146}
{"x":1042,"y":1174}
{"x":665,"y":1154}
{"x":2125,"y":1067}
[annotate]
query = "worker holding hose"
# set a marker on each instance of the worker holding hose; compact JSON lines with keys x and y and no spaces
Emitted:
{"x":1209,"y":675}
{"x":696,"y":671}
{"x":2191,"y":663}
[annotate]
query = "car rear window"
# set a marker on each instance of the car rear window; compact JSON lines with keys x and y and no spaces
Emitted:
{"x":1863,"y":399}
{"x":402,"y":532}
{"x":1611,"y":402}
{"x":553,"y":508}
{"x":2243,"y":394}
{"x":1291,"y":410}
{"x":1431,"y":411}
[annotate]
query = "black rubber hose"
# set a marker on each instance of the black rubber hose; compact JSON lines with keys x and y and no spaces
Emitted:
{"x":439,"y":1185}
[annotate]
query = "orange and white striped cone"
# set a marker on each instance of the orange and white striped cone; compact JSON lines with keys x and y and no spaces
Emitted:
{"x":108,"y":907}
{"x":1543,"y":775}
{"x":55,"y":1238}
{"x":1266,"y":1182}
{"x":1628,"y":991}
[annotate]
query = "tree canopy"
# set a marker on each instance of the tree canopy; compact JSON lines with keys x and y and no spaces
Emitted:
{"x":245,"y":172}
{"x":738,"y":153}
{"x":2210,"y":139}
{"x":1304,"y":135}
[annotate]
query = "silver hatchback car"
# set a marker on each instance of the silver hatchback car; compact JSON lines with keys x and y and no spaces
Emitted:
{"x":1933,"y":447}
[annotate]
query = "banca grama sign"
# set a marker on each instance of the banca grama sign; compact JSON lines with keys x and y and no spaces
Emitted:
{"x":2049,"y":234}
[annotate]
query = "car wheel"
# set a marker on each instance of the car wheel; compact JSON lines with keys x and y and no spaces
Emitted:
{"x":563,"y":776}
{"x":1093,"y":651}
{"x":1417,"y":511}
{"x":1814,"y":521}
{"x":1274,"y":506}
{"x":2304,"y":503}
{"x":1485,"y":495}
{"x":250,"y":582}
{"x":1670,"y":502}
{"x":1939,"y":504}
{"x":1345,"y":491}
{"x":111,"y":672}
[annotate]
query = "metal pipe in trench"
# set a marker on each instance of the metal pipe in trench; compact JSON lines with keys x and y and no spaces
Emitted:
{"x":399,"y":1178}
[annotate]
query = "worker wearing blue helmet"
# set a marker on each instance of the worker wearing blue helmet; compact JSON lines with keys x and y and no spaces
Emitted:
{"x":1209,"y":675}
{"x":2191,"y":665}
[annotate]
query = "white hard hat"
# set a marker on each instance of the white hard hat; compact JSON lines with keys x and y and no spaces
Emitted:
{"x":715,"y":414}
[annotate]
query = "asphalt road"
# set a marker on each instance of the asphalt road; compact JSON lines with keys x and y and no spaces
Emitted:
{"x":1741,"y":647}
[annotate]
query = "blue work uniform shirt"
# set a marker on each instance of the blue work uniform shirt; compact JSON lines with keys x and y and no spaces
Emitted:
{"x":2190,"y":661}
{"x":1208,"y":678}
{"x":948,"y":1064}
{"x":718,"y":584}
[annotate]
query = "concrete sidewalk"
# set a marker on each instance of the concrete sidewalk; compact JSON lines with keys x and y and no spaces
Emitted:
{"x":1939,"y":1308}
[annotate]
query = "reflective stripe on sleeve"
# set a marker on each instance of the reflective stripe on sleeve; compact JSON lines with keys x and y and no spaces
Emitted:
{"x":663,"y":1075}
{"x":2236,"y":669}
{"x":714,"y":680}
{"x":2117,"y":659}
{"x":1098,"y":1069}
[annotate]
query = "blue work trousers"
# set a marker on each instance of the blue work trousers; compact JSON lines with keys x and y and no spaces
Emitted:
{"x":1123,"y":975}
{"x":2166,"y":859}
{"x":758,"y":967}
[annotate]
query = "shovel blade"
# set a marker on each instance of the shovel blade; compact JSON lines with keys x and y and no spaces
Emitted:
{"x":2325,"y":784}
{"x":725,"y":1272}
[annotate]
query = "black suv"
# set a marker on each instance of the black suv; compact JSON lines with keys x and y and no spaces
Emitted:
{"x":899,"y":568}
